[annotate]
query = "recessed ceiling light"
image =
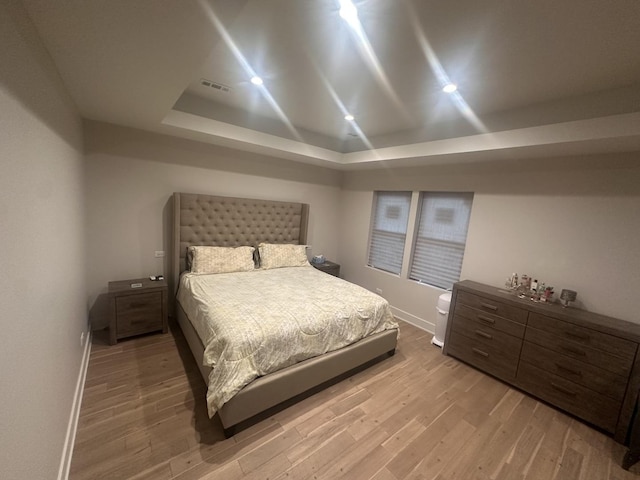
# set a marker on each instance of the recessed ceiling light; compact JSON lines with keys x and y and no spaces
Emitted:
{"x":349,"y":118}
{"x":348,"y":11}
{"x":256,"y":80}
{"x":450,"y":88}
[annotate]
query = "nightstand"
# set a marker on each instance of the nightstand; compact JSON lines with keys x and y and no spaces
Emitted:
{"x":137,"y":310}
{"x":328,"y":267}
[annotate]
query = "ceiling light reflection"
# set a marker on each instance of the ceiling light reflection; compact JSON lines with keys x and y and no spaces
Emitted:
{"x":208,"y":9}
{"x":450,"y":88}
{"x":442,"y":77}
{"x":369,"y":56}
{"x":349,"y":118}
{"x":349,"y":12}
{"x":334,"y":95}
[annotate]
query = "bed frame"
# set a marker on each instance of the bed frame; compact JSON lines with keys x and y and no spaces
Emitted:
{"x":232,"y":222}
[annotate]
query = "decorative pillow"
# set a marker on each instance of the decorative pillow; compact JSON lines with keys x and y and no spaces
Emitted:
{"x":221,"y":259}
{"x":277,"y":255}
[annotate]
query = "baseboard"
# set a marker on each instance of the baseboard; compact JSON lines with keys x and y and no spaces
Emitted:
{"x":413,"y":320}
{"x":67,"y":451}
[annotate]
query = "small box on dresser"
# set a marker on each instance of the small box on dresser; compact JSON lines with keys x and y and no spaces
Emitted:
{"x":137,"y":310}
{"x":581,"y":362}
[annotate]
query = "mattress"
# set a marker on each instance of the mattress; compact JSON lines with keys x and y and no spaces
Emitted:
{"x":258,"y":322}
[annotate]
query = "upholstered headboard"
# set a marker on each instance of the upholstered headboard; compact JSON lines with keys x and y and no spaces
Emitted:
{"x":232,"y":222}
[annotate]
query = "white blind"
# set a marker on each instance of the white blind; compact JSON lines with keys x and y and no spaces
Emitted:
{"x":389,"y":230}
{"x":441,"y":238}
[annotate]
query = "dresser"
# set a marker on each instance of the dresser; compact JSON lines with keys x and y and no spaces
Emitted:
{"x":581,"y":362}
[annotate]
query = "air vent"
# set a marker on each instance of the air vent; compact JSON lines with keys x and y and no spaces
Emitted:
{"x":216,"y":86}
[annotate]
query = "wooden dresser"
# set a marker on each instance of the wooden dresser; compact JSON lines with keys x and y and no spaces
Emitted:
{"x":581,"y":362}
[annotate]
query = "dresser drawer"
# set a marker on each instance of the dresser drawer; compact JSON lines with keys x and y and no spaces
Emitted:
{"x":139,"y":313}
{"x":494,"y":307}
{"x":485,"y":357}
{"x":579,"y":351}
{"x":599,"y":410}
{"x":488,"y":336}
{"x":490,"y":321}
{"x":582,"y":373}
{"x":584,"y":336}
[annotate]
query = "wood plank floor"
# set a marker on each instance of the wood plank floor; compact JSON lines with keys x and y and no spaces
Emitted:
{"x":419,"y":415}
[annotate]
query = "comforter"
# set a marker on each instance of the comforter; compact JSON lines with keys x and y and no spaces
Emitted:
{"x":255,"y":323}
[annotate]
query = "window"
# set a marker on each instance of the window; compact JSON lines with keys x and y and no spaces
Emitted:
{"x":389,"y":230}
{"x":443,"y":220}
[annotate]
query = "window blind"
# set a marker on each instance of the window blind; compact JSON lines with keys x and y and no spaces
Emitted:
{"x":389,"y":230}
{"x":441,"y":238}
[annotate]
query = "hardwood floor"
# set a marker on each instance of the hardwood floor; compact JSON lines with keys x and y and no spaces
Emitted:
{"x":419,"y":415}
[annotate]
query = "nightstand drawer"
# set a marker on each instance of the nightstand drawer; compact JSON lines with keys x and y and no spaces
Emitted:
{"x":140,"y":313}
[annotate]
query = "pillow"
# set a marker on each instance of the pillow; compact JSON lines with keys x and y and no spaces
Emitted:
{"x":277,"y":255}
{"x":221,"y":259}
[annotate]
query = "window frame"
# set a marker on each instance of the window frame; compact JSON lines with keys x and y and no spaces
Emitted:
{"x":416,"y":243}
{"x":380,"y":265}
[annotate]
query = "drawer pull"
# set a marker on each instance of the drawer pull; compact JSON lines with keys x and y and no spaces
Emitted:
{"x":574,"y":350}
{"x":480,"y":333}
{"x":138,"y":304}
{"x":581,"y":336}
{"x":480,"y":352}
{"x":486,"y":319}
{"x":489,"y":306}
{"x":564,"y":390}
{"x":568,"y":370}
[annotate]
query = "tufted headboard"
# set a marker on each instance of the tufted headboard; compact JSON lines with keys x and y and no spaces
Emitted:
{"x":233,"y":222}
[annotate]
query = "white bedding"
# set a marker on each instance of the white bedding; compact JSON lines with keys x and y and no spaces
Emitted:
{"x":258,"y":322}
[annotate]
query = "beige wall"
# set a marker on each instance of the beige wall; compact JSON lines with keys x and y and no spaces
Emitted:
{"x":572,"y":223}
{"x":44,"y":307}
{"x":569,"y":222}
{"x":132,"y":174}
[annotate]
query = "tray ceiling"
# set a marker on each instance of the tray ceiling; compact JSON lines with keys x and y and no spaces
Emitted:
{"x":540,"y":78}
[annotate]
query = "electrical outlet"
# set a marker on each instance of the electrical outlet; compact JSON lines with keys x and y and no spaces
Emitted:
{"x":379,"y":291}
{"x":82,"y":339}
{"x":159,"y":253}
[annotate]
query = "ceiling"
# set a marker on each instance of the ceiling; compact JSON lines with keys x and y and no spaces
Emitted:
{"x":543,"y":78}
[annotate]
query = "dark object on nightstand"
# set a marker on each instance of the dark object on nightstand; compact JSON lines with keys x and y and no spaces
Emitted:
{"x":137,"y":306}
{"x":328,"y":267}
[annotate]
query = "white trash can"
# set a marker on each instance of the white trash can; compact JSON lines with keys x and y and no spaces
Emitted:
{"x":444,"y":302}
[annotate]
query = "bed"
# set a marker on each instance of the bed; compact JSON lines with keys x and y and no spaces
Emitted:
{"x":240,"y":224}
